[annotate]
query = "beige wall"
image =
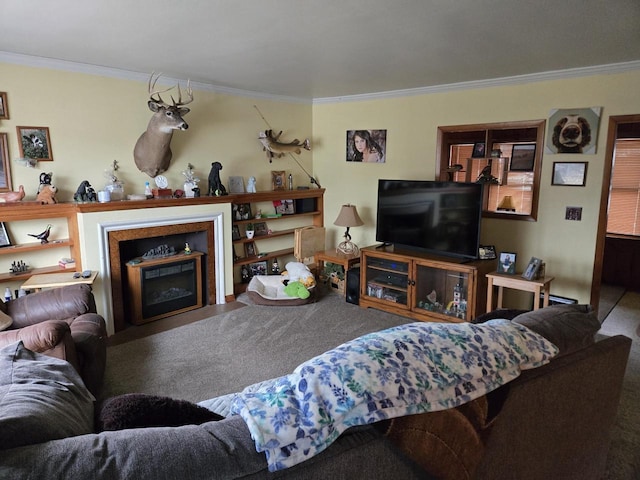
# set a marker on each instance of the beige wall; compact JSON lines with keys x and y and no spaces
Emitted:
{"x":94,"y":120}
{"x":568,"y":247}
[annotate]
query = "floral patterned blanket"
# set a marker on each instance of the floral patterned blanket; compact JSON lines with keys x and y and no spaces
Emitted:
{"x":412,"y":368}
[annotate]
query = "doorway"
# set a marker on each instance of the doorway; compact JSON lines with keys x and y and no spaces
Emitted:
{"x":621,"y":126}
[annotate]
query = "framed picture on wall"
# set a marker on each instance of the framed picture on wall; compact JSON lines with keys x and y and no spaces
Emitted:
{"x":35,"y":143}
{"x":572,"y":174}
{"x":4,"y":106}
{"x":523,"y":157}
{"x":5,"y":165}
{"x":368,"y":146}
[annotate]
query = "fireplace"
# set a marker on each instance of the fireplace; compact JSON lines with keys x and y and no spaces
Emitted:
{"x":204,"y":232}
{"x":162,"y":287}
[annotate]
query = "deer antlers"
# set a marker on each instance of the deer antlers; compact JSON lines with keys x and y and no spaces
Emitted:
{"x":159,"y":101}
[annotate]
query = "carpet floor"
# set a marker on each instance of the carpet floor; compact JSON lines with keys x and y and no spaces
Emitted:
{"x":225,"y":353}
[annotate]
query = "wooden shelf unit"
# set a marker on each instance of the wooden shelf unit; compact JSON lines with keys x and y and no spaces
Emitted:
{"x":28,"y":211}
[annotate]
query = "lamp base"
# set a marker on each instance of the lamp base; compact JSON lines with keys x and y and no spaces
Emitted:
{"x":348,"y":248}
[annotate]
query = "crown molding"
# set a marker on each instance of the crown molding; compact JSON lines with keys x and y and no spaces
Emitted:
{"x":608,"y":69}
{"x":54,"y":64}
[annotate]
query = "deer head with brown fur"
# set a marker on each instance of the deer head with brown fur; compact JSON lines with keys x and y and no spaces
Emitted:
{"x":152,"y":152}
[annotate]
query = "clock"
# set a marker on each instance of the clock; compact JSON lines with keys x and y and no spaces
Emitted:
{"x":161,"y":181}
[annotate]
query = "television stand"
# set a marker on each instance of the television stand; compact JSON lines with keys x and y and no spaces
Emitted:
{"x":422,"y":286}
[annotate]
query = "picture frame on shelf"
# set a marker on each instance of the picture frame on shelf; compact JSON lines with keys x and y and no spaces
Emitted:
{"x":507,"y":263}
{"x":241,"y":211}
{"x":4,"y":106}
{"x":532,"y":268}
{"x":5,"y":165}
{"x":250,"y":249}
{"x":479,"y":150}
{"x":258,"y":268}
{"x":278,"y":180}
{"x":569,"y":174}
{"x":523,"y":157}
{"x":35,"y":142}
{"x":235,"y":232}
{"x":260,"y":228}
{"x":284,"y":207}
{"x":5,"y":240}
{"x":236,"y":184}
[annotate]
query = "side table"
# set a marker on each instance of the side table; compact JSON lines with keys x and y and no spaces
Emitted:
{"x":347,"y":261}
{"x":502,"y":280}
{"x":53,"y":280}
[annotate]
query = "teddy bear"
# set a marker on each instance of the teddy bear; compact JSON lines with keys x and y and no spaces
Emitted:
{"x":47,"y":194}
{"x":298,"y":272}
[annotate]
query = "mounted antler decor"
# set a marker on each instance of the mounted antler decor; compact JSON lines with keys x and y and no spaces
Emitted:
{"x":152,"y":152}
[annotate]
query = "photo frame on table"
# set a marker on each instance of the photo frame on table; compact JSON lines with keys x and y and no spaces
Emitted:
{"x":5,"y":240}
{"x":278,"y":180}
{"x":35,"y":143}
{"x":241,"y":211}
{"x":4,"y":106}
{"x":479,"y":150}
{"x":570,"y":174}
{"x":523,"y":157}
{"x":258,"y":268}
{"x":5,"y":165}
{"x":532,"y":268}
{"x":507,"y":263}
{"x":250,"y":249}
{"x":487,"y":252}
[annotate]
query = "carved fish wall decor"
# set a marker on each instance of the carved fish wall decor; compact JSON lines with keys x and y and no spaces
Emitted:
{"x":274,"y":148}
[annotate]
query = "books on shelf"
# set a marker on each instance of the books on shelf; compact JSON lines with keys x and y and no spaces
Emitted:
{"x":67,"y":263}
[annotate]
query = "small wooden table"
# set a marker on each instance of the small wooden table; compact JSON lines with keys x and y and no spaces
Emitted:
{"x":332,"y":256}
{"x":516,"y":282}
{"x":53,"y":280}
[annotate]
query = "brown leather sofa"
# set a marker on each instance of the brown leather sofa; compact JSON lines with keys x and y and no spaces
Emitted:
{"x":63,"y":323}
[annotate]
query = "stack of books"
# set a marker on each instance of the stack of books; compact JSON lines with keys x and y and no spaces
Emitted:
{"x":67,"y":263}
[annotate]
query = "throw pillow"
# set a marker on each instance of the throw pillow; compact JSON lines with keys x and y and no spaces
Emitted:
{"x":5,"y":321}
{"x":139,"y":410}
{"x":41,"y":398}
{"x":569,"y":327}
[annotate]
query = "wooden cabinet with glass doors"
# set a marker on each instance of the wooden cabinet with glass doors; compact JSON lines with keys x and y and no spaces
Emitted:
{"x":421,"y":286}
{"x":509,"y":164}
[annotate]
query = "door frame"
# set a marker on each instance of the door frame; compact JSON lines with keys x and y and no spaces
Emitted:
{"x":601,"y":235}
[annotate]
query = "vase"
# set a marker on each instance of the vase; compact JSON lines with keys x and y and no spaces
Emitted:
{"x":250,"y":233}
{"x":188,"y":189}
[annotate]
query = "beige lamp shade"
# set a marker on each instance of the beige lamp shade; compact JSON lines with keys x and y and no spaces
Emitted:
{"x":348,"y":217}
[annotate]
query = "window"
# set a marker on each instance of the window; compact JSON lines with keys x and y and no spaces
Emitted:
{"x":624,"y":195}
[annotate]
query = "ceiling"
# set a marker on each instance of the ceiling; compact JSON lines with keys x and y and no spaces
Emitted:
{"x":307,"y":49}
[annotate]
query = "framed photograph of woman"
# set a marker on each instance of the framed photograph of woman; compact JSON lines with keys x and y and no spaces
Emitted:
{"x":5,"y":165}
{"x":4,"y":107}
{"x":507,"y":263}
{"x":367,"y":146}
{"x":35,"y":143}
{"x":478,"y":150}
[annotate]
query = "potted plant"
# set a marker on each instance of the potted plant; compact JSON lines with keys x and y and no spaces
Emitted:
{"x":250,"y":230}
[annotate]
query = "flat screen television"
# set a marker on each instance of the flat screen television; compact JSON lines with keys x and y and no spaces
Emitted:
{"x":441,"y":218}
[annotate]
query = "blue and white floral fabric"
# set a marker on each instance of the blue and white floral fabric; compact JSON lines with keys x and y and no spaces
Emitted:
{"x":413,"y":368}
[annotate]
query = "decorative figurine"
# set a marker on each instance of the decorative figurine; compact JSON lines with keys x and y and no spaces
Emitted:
{"x":85,"y":193}
{"x":47,"y":195}
{"x":277,"y":149}
{"x":251,"y":185}
{"x":18,"y":267}
{"x":43,"y":236}
{"x":187,"y":249}
{"x":45,"y":179}
{"x":245,"y":274}
{"x":275,"y":268}
{"x":12,"y":196}
{"x":215,"y":184}
{"x":190,"y":181}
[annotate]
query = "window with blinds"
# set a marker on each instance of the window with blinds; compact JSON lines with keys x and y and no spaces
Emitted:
{"x":624,"y":194}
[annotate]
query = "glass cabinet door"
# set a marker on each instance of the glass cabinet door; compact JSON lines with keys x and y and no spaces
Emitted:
{"x":386,"y":279}
{"x":441,"y":291}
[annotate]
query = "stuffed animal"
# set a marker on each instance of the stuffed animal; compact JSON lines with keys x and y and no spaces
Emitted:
{"x":298,"y":272}
{"x":47,"y":194}
{"x":297,"y":290}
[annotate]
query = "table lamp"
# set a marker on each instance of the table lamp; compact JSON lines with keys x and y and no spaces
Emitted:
{"x":348,"y":217}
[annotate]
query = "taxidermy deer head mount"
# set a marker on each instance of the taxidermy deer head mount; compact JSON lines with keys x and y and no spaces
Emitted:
{"x":152,"y":152}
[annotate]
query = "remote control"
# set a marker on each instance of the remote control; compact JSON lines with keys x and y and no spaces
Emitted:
{"x":86,"y":274}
